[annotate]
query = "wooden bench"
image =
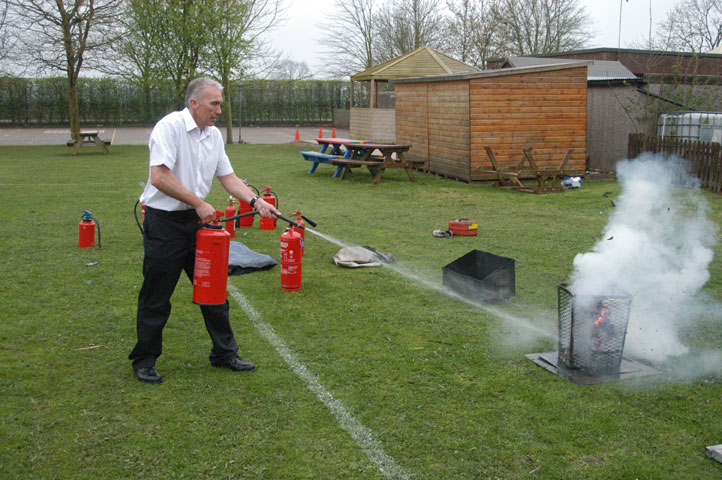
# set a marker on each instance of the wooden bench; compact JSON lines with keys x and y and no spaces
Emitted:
{"x":89,"y":137}
{"x":548,"y":180}
{"x":346,"y":164}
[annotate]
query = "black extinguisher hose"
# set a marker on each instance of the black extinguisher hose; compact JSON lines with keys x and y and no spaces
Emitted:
{"x":98,"y":224}
{"x":240,"y":215}
{"x":255,"y":212}
{"x":135,"y":212}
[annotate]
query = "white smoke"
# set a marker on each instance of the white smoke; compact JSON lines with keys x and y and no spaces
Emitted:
{"x":656,"y":247}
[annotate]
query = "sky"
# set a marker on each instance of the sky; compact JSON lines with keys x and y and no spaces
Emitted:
{"x":299,"y":37}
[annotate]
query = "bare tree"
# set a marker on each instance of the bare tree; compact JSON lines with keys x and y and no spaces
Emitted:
{"x":7,"y":38}
{"x":531,"y":27}
{"x":692,"y":26}
{"x":469,"y":36}
{"x":349,"y":37}
{"x":291,"y":70}
{"x":235,"y":41}
{"x":134,"y":54}
{"x":59,"y":34}
{"x":402,"y":26}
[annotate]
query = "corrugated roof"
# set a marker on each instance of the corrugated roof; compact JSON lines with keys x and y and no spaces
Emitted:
{"x":499,"y":72}
{"x":598,"y":70}
{"x":422,"y":61}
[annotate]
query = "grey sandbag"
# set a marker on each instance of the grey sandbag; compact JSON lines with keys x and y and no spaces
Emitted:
{"x":242,"y":259}
{"x":354,"y":257}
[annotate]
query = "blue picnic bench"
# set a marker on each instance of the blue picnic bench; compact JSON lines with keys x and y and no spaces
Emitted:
{"x":318,"y":157}
{"x":335,"y":152}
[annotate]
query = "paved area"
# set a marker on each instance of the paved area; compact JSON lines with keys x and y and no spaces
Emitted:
{"x":139,"y":136}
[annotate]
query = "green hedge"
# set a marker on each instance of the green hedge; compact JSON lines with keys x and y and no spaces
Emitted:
{"x":110,"y":101}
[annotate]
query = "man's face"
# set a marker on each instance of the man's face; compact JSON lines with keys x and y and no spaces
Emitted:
{"x":206,"y":109}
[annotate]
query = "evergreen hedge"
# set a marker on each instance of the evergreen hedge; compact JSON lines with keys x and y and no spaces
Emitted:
{"x":111,"y":101}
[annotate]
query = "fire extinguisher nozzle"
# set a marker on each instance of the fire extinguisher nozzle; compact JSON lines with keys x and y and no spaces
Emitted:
{"x":310,"y":222}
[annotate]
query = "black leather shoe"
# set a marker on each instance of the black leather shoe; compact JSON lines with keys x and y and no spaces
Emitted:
{"x":237,"y":365}
{"x":148,"y":375}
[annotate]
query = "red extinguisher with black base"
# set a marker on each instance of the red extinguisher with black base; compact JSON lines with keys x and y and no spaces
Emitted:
{"x":269,"y":196}
{"x":245,"y":207}
{"x":291,"y":260}
{"x":230,"y":212}
{"x":210,"y":273}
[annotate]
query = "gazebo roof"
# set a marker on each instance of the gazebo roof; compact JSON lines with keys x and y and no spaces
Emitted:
{"x":421,"y":62}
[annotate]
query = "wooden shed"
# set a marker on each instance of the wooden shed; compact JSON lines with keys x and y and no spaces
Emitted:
{"x":372,"y":96}
{"x":449,"y":119}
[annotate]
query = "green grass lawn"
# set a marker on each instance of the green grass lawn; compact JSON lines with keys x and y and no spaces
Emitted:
{"x":442,"y":386}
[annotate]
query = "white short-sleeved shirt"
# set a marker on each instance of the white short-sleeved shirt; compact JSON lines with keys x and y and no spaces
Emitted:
{"x":192,"y":155}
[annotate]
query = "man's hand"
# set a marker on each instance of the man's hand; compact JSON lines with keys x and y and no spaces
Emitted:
{"x":206,"y":212}
{"x":265,"y":209}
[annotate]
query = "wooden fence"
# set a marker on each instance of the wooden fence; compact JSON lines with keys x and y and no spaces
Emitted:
{"x":706,"y":158}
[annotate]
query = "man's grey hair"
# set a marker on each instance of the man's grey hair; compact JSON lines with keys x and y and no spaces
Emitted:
{"x":196,"y":87}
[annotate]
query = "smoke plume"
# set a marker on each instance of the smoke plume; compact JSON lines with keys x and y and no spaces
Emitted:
{"x":657,"y":247}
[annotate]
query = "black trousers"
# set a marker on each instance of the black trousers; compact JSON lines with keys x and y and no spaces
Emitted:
{"x":169,"y":242}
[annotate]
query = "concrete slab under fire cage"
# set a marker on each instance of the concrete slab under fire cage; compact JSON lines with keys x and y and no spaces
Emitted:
{"x":714,"y":452}
{"x":549,"y":361}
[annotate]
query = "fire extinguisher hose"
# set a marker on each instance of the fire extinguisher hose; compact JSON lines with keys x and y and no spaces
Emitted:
{"x":135,"y":212}
{"x":240,"y":215}
{"x":254,"y":212}
{"x":98,"y":224}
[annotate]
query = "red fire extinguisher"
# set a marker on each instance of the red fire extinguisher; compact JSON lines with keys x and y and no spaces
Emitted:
{"x":230,"y":212}
{"x":86,"y":230}
{"x":300,"y":230}
{"x":271,"y":197}
{"x":245,"y":207}
{"x":290,"y":261}
{"x":210,"y":274}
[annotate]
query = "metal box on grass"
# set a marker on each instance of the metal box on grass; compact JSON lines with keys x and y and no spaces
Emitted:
{"x":481,"y":276}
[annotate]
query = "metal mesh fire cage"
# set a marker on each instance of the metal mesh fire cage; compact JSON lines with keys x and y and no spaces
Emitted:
{"x":481,"y":276}
{"x":592,"y":330}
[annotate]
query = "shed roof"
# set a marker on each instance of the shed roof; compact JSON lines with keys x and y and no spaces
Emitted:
{"x":420,"y":62}
{"x":499,"y":72}
{"x":598,"y":70}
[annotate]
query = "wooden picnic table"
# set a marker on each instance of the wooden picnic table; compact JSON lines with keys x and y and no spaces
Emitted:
{"x":390,"y":156}
{"x":89,"y":137}
{"x":337,"y":145}
{"x":548,"y":180}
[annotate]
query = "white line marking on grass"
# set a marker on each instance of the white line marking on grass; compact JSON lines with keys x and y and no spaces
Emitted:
{"x":363,"y":437}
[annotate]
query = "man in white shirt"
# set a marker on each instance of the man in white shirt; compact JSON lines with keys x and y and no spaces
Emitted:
{"x":186,"y":152}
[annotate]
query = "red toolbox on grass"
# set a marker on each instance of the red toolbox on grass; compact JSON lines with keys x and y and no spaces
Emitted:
{"x":464,"y":227}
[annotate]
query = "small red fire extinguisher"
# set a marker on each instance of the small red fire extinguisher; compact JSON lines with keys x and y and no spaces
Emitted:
{"x":86,"y":230}
{"x":245,"y":207}
{"x":290,"y":260}
{"x":301,"y":231}
{"x":271,"y":197}
{"x":230,"y":212}
{"x":210,"y":273}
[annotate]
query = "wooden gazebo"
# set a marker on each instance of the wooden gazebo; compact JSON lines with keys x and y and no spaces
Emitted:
{"x":374,"y":118}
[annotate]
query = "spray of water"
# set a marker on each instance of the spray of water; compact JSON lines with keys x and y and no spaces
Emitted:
{"x":657,"y":247}
{"x":530,"y":329}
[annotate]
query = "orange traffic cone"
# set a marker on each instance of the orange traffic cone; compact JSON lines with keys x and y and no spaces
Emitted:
{"x":320,"y":133}
{"x":333,"y":132}
{"x":298,"y":136}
